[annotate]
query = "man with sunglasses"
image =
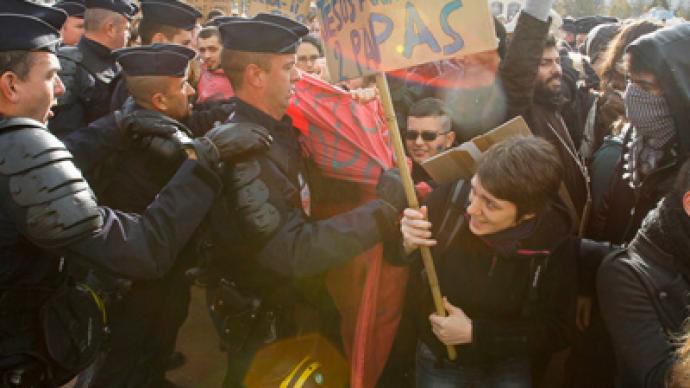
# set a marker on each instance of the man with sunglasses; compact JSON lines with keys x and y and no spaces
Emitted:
{"x":429,"y":132}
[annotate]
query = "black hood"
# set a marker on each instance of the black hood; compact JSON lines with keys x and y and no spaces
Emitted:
{"x":666,"y":51}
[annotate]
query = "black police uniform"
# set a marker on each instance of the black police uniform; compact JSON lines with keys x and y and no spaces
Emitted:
{"x":171,"y":13}
{"x":89,"y":72}
{"x":180,"y":15}
{"x":51,"y":327}
{"x":269,"y":239}
{"x":145,"y":321}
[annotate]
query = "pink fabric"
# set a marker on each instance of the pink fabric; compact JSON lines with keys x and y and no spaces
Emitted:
{"x":213,"y":85}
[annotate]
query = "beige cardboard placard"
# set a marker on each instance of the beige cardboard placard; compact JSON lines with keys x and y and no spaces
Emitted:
{"x":363,"y":37}
{"x":294,"y":9}
{"x":459,"y":162}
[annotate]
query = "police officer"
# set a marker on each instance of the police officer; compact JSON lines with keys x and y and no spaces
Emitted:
{"x":145,"y":322}
{"x":89,"y":69}
{"x":169,"y":21}
{"x":50,"y":326}
{"x":73,"y":29}
{"x":271,"y":239}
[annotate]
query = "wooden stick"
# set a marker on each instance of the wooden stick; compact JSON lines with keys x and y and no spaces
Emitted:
{"x":412,"y":201}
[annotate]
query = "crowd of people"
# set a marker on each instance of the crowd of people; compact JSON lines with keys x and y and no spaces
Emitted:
{"x":147,"y":147}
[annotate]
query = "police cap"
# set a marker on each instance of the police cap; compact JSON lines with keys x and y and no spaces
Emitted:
{"x":74,"y":8}
{"x":297,"y":28}
{"x":280,"y":35}
{"x":569,"y":25}
{"x":126,"y":8}
{"x":40,"y":26}
{"x":585,"y":24}
{"x":218,"y":20}
{"x":170,"y":13}
{"x":155,"y":60}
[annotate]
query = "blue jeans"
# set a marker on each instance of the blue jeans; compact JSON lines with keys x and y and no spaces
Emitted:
{"x":432,"y":373}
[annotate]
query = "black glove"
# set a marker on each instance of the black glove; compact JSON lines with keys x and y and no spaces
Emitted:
{"x":238,"y":139}
{"x":154,"y":132}
{"x":390,"y":189}
{"x":142,"y":124}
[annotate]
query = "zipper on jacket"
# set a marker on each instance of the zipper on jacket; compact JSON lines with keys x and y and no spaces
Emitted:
{"x":493,"y":265}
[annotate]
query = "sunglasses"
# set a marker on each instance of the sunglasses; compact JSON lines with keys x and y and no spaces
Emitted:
{"x":426,"y":135}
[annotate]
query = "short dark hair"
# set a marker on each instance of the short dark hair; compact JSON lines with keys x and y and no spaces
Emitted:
{"x":431,"y":107}
{"x":148,"y":29}
{"x":235,"y":62}
{"x":314,"y":41}
{"x":17,"y":61}
{"x":523,"y":170}
{"x":208,"y":32}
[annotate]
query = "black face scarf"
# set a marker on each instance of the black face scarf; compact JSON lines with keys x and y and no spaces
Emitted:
{"x":668,"y":227}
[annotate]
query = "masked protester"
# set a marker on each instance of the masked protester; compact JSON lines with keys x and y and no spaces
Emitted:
{"x":657,"y":106}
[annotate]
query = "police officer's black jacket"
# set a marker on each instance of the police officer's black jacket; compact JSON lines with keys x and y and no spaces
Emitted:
{"x":518,"y":286}
{"x":89,"y":72}
{"x":48,"y":212}
{"x":270,"y":237}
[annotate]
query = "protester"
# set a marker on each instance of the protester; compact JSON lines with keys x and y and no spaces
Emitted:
{"x":506,"y":266}
{"x":610,"y":117}
{"x":310,"y":55}
{"x":73,"y":28}
{"x":531,"y":74}
{"x":429,"y":132}
{"x":213,"y":84}
{"x":644,"y":290}
{"x":52,"y":326}
{"x":657,"y":107}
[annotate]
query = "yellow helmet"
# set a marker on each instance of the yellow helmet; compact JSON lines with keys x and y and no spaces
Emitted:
{"x":304,"y":362}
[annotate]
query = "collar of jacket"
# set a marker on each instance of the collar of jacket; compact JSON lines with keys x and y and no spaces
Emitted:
{"x":537,"y":237}
{"x":285,"y":151}
{"x":645,"y":248}
{"x":257,"y":116}
{"x":98,"y":60}
{"x":98,"y":50}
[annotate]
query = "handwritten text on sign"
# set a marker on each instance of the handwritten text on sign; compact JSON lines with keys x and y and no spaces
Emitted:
{"x":366,"y":36}
{"x":294,"y":9}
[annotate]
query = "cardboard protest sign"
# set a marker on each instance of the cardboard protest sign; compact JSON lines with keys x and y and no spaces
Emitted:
{"x":459,"y":162}
{"x":294,"y":9}
{"x":364,"y":37}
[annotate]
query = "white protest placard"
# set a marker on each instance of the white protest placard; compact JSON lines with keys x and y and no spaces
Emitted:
{"x":363,"y":37}
{"x":294,"y":9}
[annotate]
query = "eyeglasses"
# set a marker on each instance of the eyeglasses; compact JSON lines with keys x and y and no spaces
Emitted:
{"x":305,"y":59}
{"x":426,"y":135}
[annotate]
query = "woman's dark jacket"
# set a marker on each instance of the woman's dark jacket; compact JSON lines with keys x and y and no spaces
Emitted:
{"x":644,"y":295}
{"x":510,"y":317}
